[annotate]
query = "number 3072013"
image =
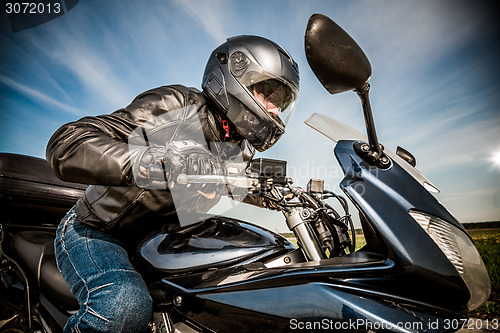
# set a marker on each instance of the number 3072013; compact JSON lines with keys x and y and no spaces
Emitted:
{"x":32,"y":8}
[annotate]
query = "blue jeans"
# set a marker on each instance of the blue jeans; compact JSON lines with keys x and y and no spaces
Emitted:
{"x":113,"y":297}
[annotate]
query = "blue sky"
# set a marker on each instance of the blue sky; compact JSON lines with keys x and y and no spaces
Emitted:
{"x":434,"y":84}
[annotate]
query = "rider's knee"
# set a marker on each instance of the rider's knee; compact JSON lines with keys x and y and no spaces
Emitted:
{"x":133,"y":305}
{"x":125,"y":304}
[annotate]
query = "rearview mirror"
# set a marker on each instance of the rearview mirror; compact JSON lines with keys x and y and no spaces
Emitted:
{"x":335,"y":58}
{"x":340,"y":65}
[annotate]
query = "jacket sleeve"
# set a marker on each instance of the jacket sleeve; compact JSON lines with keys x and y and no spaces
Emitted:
{"x":83,"y":152}
{"x":95,"y":150}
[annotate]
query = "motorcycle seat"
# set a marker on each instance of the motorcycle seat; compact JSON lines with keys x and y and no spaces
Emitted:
{"x":35,"y":249}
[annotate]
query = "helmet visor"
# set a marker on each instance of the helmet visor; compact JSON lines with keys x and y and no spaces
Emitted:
{"x":274,"y":95}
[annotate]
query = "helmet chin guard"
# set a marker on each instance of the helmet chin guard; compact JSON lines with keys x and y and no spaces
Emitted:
{"x":254,"y":83}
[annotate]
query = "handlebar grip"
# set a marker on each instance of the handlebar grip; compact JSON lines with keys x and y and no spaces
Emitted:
{"x":243,"y":182}
{"x":182,"y":179}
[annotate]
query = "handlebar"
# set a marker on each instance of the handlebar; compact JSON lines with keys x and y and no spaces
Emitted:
{"x":300,"y":207}
{"x":236,"y":181}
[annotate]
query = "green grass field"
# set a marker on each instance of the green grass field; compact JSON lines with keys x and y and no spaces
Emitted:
{"x":488,"y":244}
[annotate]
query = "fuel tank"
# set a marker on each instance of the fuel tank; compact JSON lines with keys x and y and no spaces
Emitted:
{"x":216,"y":242}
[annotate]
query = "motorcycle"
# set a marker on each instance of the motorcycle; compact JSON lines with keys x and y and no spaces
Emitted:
{"x":418,"y":272}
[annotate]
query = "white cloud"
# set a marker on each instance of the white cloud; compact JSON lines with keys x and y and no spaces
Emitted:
{"x":404,"y":35}
{"x":209,"y":14}
{"x":96,"y":72}
{"x":39,"y":96}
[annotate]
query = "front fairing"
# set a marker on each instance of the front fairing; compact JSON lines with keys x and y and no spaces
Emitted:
{"x":396,"y":204}
{"x":385,"y":197}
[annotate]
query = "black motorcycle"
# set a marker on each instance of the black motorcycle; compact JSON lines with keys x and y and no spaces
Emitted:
{"x":418,"y":272}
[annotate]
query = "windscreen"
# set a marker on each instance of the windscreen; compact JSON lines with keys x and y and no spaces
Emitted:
{"x":336,"y":131}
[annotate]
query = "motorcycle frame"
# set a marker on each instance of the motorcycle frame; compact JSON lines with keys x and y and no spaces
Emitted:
{"x":384,"y":277}
{"x":394,"y":268}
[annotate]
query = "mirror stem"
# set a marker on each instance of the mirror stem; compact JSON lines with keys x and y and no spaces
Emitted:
{"x":370,"y":124}
{"x":373,"y":151}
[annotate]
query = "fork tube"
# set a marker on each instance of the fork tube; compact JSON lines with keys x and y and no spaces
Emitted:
{"x":297,"y":222}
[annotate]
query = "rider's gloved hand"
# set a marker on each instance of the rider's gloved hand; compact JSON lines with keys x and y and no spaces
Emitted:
{"x":191,"y":158}
{"x":151,"y":166}
{"x":160,"y":164}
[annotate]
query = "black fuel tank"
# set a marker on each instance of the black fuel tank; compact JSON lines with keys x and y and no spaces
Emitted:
{"x":215,"y":242}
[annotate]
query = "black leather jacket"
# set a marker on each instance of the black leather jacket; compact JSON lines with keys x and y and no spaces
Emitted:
{"x":103,"y":150}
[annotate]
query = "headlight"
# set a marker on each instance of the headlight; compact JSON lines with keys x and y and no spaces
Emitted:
{"x":461,"y":252}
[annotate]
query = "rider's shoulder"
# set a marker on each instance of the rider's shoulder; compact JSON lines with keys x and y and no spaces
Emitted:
{"x":179,"y":92}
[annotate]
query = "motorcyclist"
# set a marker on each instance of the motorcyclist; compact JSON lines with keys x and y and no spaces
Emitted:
{"x":131,"y":159}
